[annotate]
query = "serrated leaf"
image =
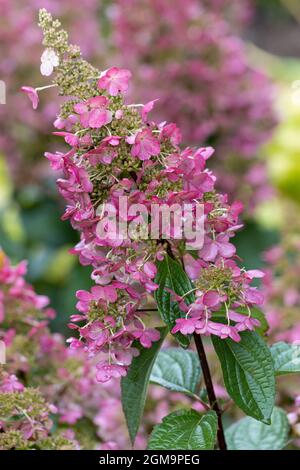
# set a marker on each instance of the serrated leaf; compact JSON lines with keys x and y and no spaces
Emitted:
{"x":134,"y":385}
{"x":286,"y":358}
{"x":185,"y":430}
{"x":249,"y":434}
{"x":171,"y":276}
{"x":178,"y":370}
{"x":248,"y":373}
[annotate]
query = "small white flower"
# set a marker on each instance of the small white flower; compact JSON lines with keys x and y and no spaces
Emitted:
{"x":49,"y":60}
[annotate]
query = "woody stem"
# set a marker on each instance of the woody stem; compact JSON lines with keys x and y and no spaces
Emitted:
{"x":210,"y":390}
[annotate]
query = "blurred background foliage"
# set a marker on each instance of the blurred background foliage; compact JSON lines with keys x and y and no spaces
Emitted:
{"x":30,"y":210}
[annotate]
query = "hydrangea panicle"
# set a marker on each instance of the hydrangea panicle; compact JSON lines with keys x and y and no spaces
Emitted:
{"x":116,"y":150}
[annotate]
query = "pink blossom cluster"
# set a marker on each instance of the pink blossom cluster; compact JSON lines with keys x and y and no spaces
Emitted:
{"x":117,"y":150}
{"x":185,"y":54}
{"x":20,"y":51}
{"x":199,"y":317}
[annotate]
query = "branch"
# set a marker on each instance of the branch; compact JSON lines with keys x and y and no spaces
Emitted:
{"x":210,"y":390}
{"x":147,"y":310}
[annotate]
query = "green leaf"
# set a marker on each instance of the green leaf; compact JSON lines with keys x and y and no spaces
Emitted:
{"x":286,"y":358}
{"x":249,"y":434}
{"x":134,"y":386}
{"x":248,"y":373}
{"x":185,"y":430}
{"x":171,"y":276}
{"x":178,"y":370}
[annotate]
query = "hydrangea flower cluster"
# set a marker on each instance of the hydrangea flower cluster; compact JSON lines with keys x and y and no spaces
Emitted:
{"x":25,"y":422}
{"x":185,"y":54}
{"x":25,"y":412}
{"x":18,"y":20}
{"x":232,"y":292}
{"x":117,"y":151}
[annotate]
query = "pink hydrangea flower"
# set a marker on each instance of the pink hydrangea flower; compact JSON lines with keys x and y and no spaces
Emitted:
{"x":145,"y":145}
{"x":71,"y":139}
{"x":254,"y":296}
{"x":223,"y":331}
{"x":93,"y":112}
{"x":32,"y":95}
{"x":186,"y":326}
{"x":108,"y":371}
{"x":150,"y":269}
{"x":98,"y":333}
{"x":55,"y":159}
{"x":146,"y":337}
{"x":243,"y":322}
{"x":212,"y":298}
{"x":171,"y":131}
{"x":147,"y":108}
{"x":218,"y":247}
{"x":115,"y":80}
